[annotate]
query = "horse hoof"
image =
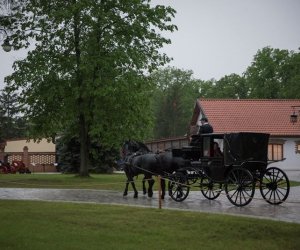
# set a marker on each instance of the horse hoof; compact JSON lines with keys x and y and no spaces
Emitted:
{"x":135,"y":196}
{"x":125,"y":194}
{"x":162,"y":197}
{"x":150,"y":195}
{"x":144,"y":192}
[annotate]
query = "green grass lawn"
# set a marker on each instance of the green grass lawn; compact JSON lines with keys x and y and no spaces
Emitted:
{"x":36,"y":225}
{"x":96,"y":181}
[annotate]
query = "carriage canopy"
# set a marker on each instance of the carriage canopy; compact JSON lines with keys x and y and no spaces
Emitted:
{"x":244,"y":146}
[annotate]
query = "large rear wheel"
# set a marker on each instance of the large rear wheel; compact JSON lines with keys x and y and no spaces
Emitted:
{"x":274,"y":186}
{"x":178,"y":187}
{"x":240,"y":186}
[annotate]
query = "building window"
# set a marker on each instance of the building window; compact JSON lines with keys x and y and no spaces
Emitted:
{"x":275,"y":152}
{"x":297,"y":147}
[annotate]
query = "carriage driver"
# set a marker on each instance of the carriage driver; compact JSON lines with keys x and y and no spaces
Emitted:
{"x":205,"y":127}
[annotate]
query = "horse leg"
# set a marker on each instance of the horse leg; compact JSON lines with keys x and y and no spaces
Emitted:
{"x":129,"y":179}
{"x":126,"y":188}
{"x":126,"y":170}
{"x":163,"y":187}
{"x":134,"y":188}
{"x":150,"y":189}
{"x":144,"y":185}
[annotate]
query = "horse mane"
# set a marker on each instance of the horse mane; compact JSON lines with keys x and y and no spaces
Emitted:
{"x":135,"y":146}
{"x":143,"y":147}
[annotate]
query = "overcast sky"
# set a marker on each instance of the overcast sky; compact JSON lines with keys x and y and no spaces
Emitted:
{"x":219,"y":37}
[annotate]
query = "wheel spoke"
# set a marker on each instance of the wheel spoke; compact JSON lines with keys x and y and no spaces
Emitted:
{"x":268,"y":178}
{"x":277,"y":193}
{"x":271,"y":194}
{"x":245,"y":198}
{"x":277,"y":175}
{"x":274,"y":193}
{"x":236,"y":191}
{"x":247,"y":192}
{"x":273,"y":175}
{"x":237,"y":196}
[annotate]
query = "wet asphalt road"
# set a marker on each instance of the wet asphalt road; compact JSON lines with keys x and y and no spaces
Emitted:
{"x":289,"y":211}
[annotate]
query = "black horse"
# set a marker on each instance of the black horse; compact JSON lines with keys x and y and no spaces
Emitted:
{"x":140,"y":160}
{"x":130,"y":151}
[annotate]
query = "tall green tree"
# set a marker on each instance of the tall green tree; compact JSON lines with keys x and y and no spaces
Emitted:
{"x":273,"y":74}
{"x":231,"y":86}
{"x":173,"y":101}
{"x":292,"y":84}
{"x":13,"y":124}
{"x":207,"y":88}
{"x":87,"y":69}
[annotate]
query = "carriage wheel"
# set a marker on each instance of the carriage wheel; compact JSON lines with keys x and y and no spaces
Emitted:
{"x":274,"y":186}
{"x":178,"y":187}
{"x":240,"y":187}
{"x":210,"y":190}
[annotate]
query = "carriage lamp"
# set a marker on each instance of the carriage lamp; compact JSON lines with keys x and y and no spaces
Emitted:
{"x":294,"y":116}
{"x":6,"y":45}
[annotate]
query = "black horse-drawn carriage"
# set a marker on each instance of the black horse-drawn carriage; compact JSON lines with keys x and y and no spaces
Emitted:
{"x":240,"y":168}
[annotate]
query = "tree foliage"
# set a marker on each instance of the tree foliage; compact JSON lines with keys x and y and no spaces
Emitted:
{"x":232,"y":86}
{"x":87,"y":69}
{"x":173,"y":101}
{"x":229,"y":86}
{"x":102,"y":160}
{"x":274,"y":73}
{"x":13,"y":124}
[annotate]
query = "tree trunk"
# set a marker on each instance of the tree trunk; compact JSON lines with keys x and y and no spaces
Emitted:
{"x":84,"y":147}
{"x":83,"y":126}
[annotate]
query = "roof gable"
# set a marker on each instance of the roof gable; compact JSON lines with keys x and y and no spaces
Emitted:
{"x":249,"y":115}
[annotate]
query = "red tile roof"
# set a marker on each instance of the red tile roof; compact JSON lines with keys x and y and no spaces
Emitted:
{"x":251,"y":115}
